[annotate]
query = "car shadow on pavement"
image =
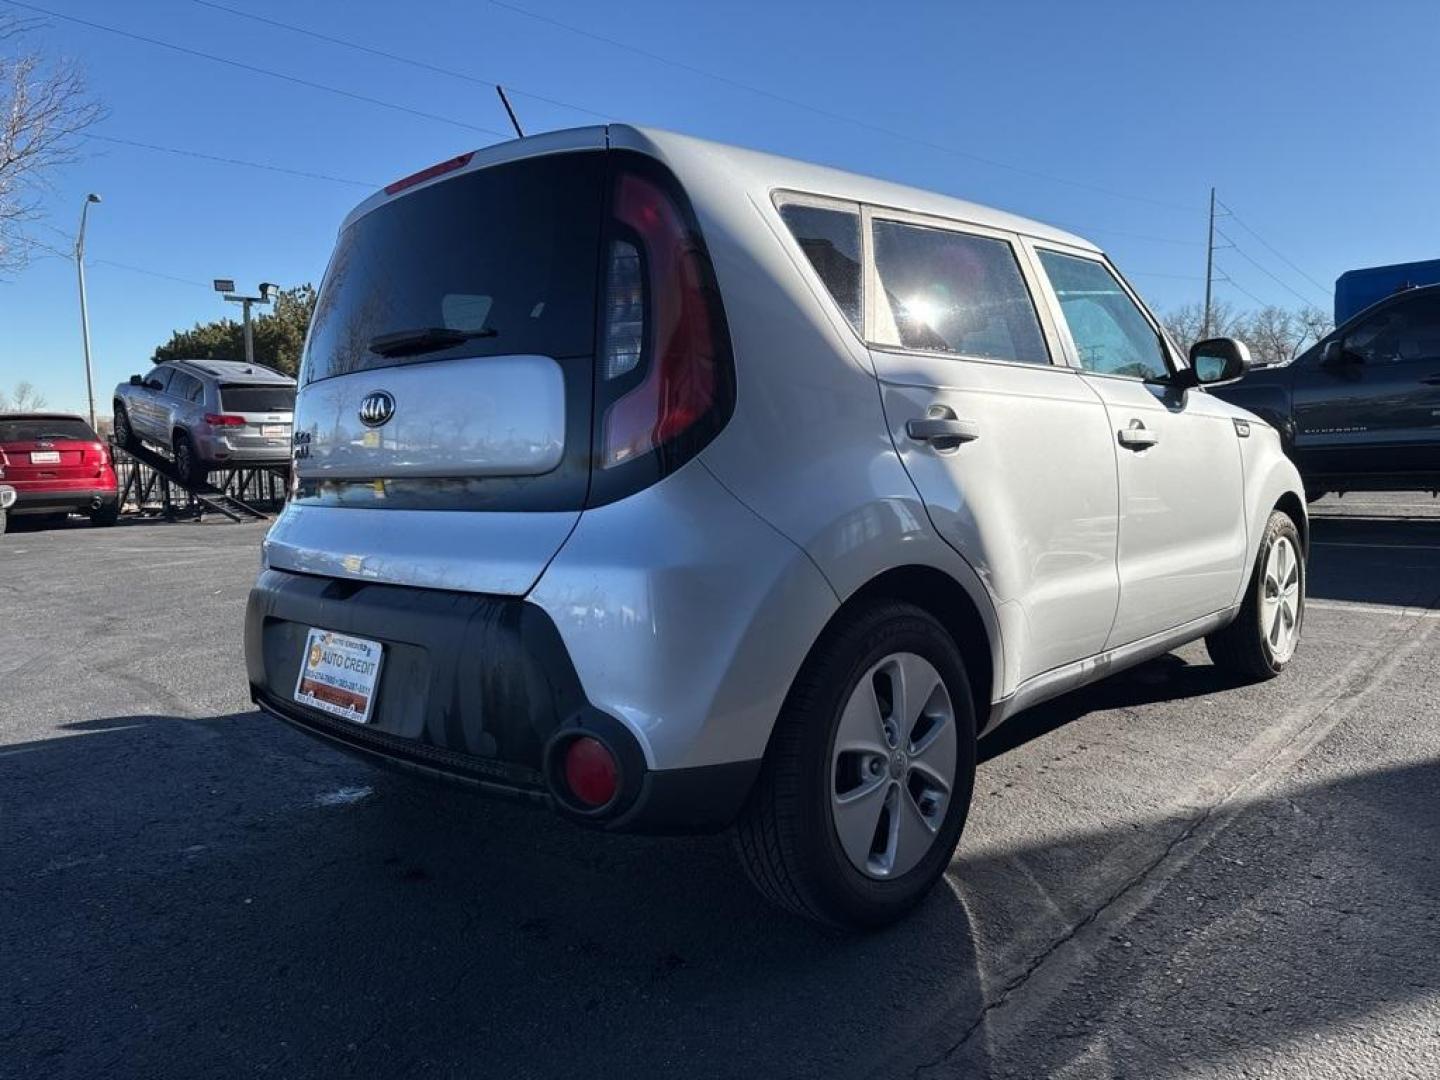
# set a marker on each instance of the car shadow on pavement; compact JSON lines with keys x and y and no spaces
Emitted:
{"x":218,"y":897}
{"x":223,"y":897}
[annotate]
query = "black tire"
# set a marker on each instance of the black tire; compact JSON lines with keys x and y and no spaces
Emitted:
{"x":187,"y":462}
{"x":123,"y":432}
{"x":106,"y":516}
{"x":786,"y":836}
{"x":1242,"y":647}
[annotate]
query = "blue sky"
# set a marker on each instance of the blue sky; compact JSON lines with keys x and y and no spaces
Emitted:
{"x":1319,"y":123}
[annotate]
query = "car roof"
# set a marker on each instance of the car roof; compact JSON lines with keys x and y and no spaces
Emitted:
{"x":235,"y":371}
{"x":760,"y":173}
{"x":43,"y":416}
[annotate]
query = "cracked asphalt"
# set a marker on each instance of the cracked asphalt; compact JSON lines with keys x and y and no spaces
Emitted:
{"x":1167,"y":874}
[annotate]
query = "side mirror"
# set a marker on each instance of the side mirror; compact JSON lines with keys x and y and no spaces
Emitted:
{"x":1336,"y":355}
{"x":1218,"y":361}
{"x":137,"y":380}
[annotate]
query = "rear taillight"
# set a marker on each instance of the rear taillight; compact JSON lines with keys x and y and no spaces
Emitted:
{"x":665,"y":357}
{"x":224,"y":420}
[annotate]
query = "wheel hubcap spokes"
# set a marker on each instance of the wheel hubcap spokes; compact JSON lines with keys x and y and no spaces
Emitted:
{"x":893,"y":766}
{"x":1280,"y":599}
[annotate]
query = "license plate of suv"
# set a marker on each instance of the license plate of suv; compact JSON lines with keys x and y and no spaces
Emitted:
{"x":45,"y":457}
{"x":272,"y":431}
{"x":338,"y":674}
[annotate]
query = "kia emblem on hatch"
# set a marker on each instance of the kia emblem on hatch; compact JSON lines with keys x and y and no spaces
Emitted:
{"x":376,"y":408}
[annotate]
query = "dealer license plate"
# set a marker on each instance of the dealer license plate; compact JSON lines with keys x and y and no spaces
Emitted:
{"x":338,"y":674}
{"x":44,"y":457}
{"x":273,"y":431}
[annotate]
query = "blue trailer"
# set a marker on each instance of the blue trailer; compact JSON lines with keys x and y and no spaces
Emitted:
{"x":1355,"y":290}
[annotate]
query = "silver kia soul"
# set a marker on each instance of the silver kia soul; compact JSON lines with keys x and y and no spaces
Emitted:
{"x":677,"y":486}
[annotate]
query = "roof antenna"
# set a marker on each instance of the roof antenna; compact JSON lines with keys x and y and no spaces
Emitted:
{"x":509,"y":111}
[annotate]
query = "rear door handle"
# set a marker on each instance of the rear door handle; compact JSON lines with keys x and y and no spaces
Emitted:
{"x":943,"y":430}
{"x":1138,"y":437}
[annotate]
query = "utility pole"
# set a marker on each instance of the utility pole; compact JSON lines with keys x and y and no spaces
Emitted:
{"x":84,"y":313}
{"x":267,"y":295}
{"x":1209,"y":265}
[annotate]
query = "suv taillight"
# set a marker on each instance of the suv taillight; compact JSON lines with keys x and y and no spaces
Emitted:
{"x":224,"y":420}
{"x":666,"y":380}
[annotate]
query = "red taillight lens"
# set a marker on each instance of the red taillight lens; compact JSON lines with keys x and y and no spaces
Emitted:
{"x":591,"y":773}
{"x":678,"y":334}
{"x":224,"y":420}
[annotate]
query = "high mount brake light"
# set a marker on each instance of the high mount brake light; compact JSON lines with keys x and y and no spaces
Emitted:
{"x":438,"y":169}
{"x":677,"y":335}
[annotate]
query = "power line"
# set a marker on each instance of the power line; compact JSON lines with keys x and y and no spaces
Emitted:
{"x":151,"y":273}
{"x":1244,"y":255}
{"x":828,"y":114}
{"x":1228,"y":280}
{"x":423,"y":65}
{"x":230,"y":161}
{"x":185,"y":50}
{"x":1238,"y":221}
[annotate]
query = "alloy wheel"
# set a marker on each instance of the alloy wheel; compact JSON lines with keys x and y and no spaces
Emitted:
{"x":892,"y":769}
{"x":1280,"y":599}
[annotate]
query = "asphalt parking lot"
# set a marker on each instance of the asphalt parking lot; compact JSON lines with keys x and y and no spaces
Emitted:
{"x":1164,"y":875}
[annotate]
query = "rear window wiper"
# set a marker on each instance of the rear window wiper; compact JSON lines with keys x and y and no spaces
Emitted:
{"x":424,"y":339}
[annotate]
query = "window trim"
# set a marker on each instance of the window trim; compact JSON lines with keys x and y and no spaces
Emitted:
{"x":1071,"y":353}
{"x":872,"y":287}
{"x":782,"y":197}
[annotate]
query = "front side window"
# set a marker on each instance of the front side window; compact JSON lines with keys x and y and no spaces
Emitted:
{"x":943,"y":291}
{"x":830,"y":239}
{"x":1402,"y":332}
{"x":159,"y":378}
{"x":1111,"y":334}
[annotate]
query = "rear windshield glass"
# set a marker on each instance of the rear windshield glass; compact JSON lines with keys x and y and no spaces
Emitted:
{"x":40,"y":427}
{"x":242,"y":399}
{"x":507,"y":254}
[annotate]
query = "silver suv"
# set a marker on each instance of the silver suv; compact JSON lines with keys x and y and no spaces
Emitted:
{"x":208,"y":414}
{"x":676,"y":486}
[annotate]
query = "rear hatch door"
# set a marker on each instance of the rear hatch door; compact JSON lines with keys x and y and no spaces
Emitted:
{"x":38,"y":451}
{"x":443,"y":426}
{"x":267,"y":412}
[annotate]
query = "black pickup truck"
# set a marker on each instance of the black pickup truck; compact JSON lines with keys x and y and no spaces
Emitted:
{"x":1360,"y":410}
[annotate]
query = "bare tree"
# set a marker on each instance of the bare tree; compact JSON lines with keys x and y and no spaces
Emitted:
{"x":44,"y":106}
{"x":25,"y":399}
{"x":1186,"y":324}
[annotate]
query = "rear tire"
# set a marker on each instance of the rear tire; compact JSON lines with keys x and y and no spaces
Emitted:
{"x":1261,"y":642}
{"x":187,"y":461}
{"x":789,"y":837}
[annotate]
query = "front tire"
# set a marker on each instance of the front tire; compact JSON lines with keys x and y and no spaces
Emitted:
{"x":1261,"y":642}
{"x":867,"y":780}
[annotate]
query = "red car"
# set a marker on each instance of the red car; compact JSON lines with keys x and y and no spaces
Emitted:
{"x":57,"y":466}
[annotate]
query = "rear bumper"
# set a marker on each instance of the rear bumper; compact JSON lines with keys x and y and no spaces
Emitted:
{"x":56,"y":500}
{"x":476,"y":690}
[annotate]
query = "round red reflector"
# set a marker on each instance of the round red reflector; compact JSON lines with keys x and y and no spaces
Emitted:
{"x":591,"y":773}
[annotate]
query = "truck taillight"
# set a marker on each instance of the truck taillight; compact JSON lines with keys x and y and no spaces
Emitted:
{"x":665,"y":365}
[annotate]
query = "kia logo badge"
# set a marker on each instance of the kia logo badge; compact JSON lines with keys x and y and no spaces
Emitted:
{"x":376,"y":408}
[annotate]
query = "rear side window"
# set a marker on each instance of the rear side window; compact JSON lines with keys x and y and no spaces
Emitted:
{"x":1111,"y":334}
{"x":242,"y":399}
{"x":830,"y":239}
{"x":43,"y":427}
{"x":943,"y":291}
{"x":183,"y":386}
{"x":505,"y":254}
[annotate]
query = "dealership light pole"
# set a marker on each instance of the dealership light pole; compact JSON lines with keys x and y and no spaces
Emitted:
{"x":84,"y":314}
{"x":267,"y":295}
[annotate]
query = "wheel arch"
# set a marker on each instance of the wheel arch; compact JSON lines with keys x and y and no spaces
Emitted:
{"x":951,"y":604}
{"x":1292,"y":505}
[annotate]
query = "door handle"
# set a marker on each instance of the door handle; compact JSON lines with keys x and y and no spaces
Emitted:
{"x":1137,"y":436}
{"x":945,"y":432}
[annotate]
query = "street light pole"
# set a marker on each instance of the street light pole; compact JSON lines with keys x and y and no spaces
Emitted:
{"x":84,"y":313}
{"x":226,"y":286}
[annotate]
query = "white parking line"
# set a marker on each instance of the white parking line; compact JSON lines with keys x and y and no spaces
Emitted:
{"x":1374,"y":609}
{"x":1385,"y":547}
